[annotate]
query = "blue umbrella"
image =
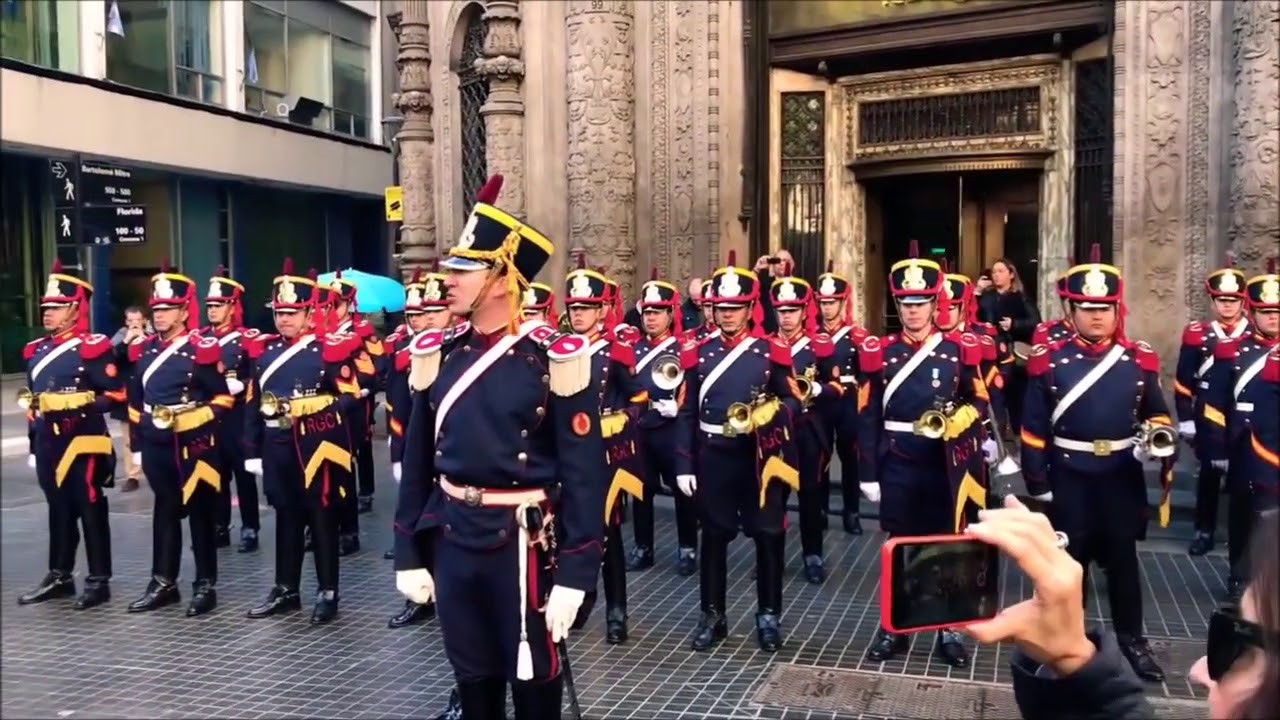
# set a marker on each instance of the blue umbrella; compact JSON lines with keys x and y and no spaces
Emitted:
{"x":373,"y":292}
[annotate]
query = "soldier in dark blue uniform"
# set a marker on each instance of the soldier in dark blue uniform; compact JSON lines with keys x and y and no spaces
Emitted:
{"x":1235,"y":389}
{"x":1087,"y":398}
{"x":822,"y":398}
{"x":658,"y":371}
{"x":707,"y":325}
{"x":504,"y":466}
{"x":718,"y":453}
{"x":302,"y":390}
{"x":834,"y":294}
{"x":1195,"y":358}
{"x":1051,"y":331}
{"x":903,"y":376}
{"x":1265,"y":440}
{"x":72,"y":382}
{"x":539,"y":303}
{"x":177,"y":396}
{"x":589,"y":301}
{"x":426,"y":307}
{"x":223,"y":308}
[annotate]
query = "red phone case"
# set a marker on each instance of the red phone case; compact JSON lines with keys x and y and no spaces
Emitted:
{"x":886,"y":580}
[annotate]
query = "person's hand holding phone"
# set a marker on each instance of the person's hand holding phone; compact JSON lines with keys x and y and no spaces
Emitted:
{"x":1049,"y":627}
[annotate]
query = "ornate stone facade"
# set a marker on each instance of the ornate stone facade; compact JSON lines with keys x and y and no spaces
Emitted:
{"x":416,"y":137}
{"x":504,"y":111}
{"x":1255,"y":146}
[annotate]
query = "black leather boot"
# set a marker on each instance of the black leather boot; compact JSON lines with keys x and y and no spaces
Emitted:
{"x":852,"y":523}
{"x":1201,"y":544}
{"x":615,"y":625}
{"x":712,"y":628}
{"x":537,"y":701}
{"x":641,"y":558}
{"x":768,"y":631}
{"x":248,"y":540}
{"x":452,"y":711}
{"x":348,"y":544}
{"x":886,"y":645}
{"x":1138,"y":652}
{"x":364,"y":504}
{"x":815,"y":571}
{"x":949,"y":648}
{"x":221,"y":536}
{"x":203,"y":598}
{"x":686,"y":561}
{"x":56,"y":584}
{"x":412,"y":614}
{"x":769,"y":550}
{"x":97,"y":590}
{"x":159,"y":593}
{"x":326,"y":608}
{"x":483,"y":699}
{"x":389,"y":555}
{"x":279,"y":600}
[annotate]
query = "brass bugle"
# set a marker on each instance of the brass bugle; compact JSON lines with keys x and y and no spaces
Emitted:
{"x":1159,"y":441}
{"x":932,"y":424}
{"x":738,"y":420}
{"x":162,"y":417}
{"x":26,"y":398}
{"x":667,"y":373}
{"x":271,"y":405}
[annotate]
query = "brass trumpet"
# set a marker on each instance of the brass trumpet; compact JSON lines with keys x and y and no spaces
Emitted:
{"x":1158,"y":441}
{"x":26,"y":398}
{"x":162,"y":417}
{"x":738,"y":420}
{"x":667,"y":373}
{"x":272,"y":405}
{"x":932,"y":424}
{"x":806,"y":382}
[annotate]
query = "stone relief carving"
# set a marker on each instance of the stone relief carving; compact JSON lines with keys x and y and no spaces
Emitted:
{"x":1255,"y":146}
{"x":504,"y":110}
{"x":448,"y":152}
{"x":1197,"y":245}
{"x":414,"y":101}
{"x":601,"y":168}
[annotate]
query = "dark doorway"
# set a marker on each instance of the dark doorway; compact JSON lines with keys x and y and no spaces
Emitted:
{"x":924,"y":208}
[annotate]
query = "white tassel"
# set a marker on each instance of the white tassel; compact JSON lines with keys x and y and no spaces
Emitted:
{"x":524,"y":662}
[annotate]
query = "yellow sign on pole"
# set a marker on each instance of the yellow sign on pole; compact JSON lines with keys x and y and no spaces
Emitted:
{"x":394,"y":197}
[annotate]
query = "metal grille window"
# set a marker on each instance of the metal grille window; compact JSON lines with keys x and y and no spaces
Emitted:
{"x":802,"y":181}
{"x":1094,"y":162}
{"x":473,"y":92}
{"x":1012,"y":111}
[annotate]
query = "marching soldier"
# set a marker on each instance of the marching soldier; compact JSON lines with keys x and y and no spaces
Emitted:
{"x":72,"y":382}
{"x":539,"y":303}
{"x":588,"y":298}
{"x":1195,"y":358}
{"x":903,"y":464}
{"x":834,"y":294}
{"x":1235,"y":390}
{"x":223,"y":308}
{"x":298,"y":439}
{"x":345,"y":319}
{"x":708,"y":327}
{"x":504,"y":431}
{"x":1265,"y":442}
{"x":177,"y":396}
{"x":1086,"y":398}
{"x":660,"y":315}
{"x":728,"y":460}
{"x":1051,"y":331}
{"x":426,"y":307}
{"x":820,"y":390}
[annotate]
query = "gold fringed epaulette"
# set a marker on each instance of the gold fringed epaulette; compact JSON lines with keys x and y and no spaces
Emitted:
{"x":569,"y":363}
{"x":425,"y":355}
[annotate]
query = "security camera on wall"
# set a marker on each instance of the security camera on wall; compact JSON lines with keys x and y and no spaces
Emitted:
{"x":300,"y":110}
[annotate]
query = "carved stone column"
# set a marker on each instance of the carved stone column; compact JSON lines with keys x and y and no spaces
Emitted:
{"x":1255,"y":138}
{"x":415,"y":139}
{"x":504,"y":110}
{"x":601,"y":169}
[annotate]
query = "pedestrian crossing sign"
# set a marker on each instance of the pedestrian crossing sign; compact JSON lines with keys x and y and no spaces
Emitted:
{"x":394,"y":197}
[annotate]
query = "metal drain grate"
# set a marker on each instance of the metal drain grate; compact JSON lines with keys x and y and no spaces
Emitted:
{"x":857,"y":693}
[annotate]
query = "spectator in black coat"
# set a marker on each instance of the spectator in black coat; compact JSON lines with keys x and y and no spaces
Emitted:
{"x":1003,"y":303}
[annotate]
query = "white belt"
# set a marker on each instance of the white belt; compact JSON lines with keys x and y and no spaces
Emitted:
{"x":1100,"y":448}
{"x":711,"y":429}
{"x":1244,"y":407}
{"x":272,"y":423}
{"x":848,"y":378}
{"x":899,"y":426}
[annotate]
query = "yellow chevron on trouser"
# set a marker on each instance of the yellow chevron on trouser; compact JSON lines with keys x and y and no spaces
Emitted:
{"x":83,"y":445}
{"x":623,"y":481}
{"x":970,"y":490}
{"x":327,"y":451}
{"x":775,"y":468}
{"x":203,"y":471}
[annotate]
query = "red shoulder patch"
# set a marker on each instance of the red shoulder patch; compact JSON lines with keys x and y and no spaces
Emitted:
{"x":1038,"y":361}
{"x":822,"y":346}
{"x":207,"y":350}
{"x":689,"y":355}
{"x":1271,"y":371}
{"x":970,"y":349}
{"x":988,"y":347}
{"x":567,"y":346}
{"x":363,"y":329}
{"x":1225,"y":349}
{"x":779,"y":352}
{"x":29,"y":350}
{"x":93,"y":346}
{"x":402,"y":359}
{"x":1193,"y":334}
{"x":135,"y":349}
{"x":620,"y":351}
{"x":871,"y":355}
{"x":391,"y":340}
{"x":1040,"y":335}
{"x":337,"y":349}
{"x":1146,"y":357}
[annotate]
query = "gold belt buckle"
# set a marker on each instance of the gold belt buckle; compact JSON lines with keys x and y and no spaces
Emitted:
{"x":472,"y":496}
{"x":1102,"y":448}
{"x":286,"y":421}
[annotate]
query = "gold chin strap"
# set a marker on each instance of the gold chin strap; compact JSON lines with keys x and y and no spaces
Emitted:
{"x":502,"y":258}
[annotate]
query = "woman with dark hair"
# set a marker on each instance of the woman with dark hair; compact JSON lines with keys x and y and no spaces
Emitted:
{"x":1060,"y":670}
{"x":1004,"y":304}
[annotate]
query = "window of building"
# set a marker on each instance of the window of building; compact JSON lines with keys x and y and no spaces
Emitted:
{"x":41,"y":32}
{"x":473,"y":93}
{"x":168,"y":46}
{"x":320,"y":51}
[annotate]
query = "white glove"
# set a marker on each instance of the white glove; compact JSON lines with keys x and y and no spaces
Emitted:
{"x":1140,"y":453}
{"x":234,"y":386}
{"x":562,"y":609}
{"x":817,"y":389}
{"x":870,"y":491}
{"x":137,"y":459}
{"x":1219,"y":465}
{"x":666,"y":408}
{"x":31,"y":461}
{"x":364,"y":392}
{"x":254,"y":465}
{"x":1047,"y":497}
{"x":688,"y":484}
{"x":989,"y":450}
{"x":1008,"y":466}
{"x":395,"y":471}
{"x":388,"y":441}
{"x":417,"y":585}
{"x":1187,"y":429}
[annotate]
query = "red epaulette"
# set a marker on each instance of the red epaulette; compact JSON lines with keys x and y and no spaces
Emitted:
{"x":135,"y":349}
{"x":779,"y":351}
{"x":337,"y":348}
{"x":1146,"y":357}
{"x":871,"y":355}
{"x":29,"y":350}
{"x":1038,"y":360}
{"x":822,"y":345}
{"x":93,"y":345}
{"x":1040,"y":335}
{"x":970,"y":348}
{"x":1226,"y":349}
{"x":1271,"y":371}
{"x":363,"y":328}
{"x":392,"y":339}
{"x":207,"y":350}
{"x":689,"y":354}
{"x":988,"y":346}
{"x":402,"y":359}
{"x":1193,"y":334}
{"x":621,"y":351}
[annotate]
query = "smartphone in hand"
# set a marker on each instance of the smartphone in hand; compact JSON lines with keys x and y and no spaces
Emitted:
{"x":937,"y":581}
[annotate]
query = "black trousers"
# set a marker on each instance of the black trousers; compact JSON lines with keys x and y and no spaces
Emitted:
{"x":813,"y":492}
{"x":1208,"y":492}
{"x":713,"y":572}
{"x":364,"y":463}
{"x":79,"y":501}
{"x":246,"y":491}
{"x":1124,"y":589}
{"x":613,"y":571}
{"x":658,"y":446}
{"x":1015,"y":391}
{"x":850,"y":493}
{"x":291,"y":521}
{"x":201,"y":511}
